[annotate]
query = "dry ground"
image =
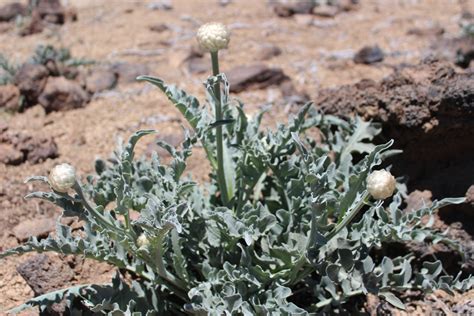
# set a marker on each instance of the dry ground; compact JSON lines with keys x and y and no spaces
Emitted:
{"x":106,"y":30}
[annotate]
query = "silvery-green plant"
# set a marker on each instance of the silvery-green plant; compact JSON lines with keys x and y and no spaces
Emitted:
{"x":287,"y":225}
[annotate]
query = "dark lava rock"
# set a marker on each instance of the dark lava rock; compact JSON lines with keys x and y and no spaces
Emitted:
{"x":33,"y":26}
{"x":100,"y":80}
{"x":369,"y":55}
{"x":10,"y":11}
{"x":128,"y":72}
{"x":37,"y":149}
{"x":61,"y":94}
{"x":459,"y":50}
{"x":464,"y":51}
{"x":289,"y":8}
{"x":45,"y":274}
{"x":434,"y":30}
{"x":429,"y":111}
{"x":31,"y":80}
{"x":159,"y":27}
{"x":9,"y":98}
{"x":50,"y":11}
{"x":17,"y":148}
{"x":256,"y":76}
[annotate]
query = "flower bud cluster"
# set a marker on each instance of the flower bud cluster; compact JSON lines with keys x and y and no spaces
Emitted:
{"x":62,"y":177}
{"x":213,"y":37}
{"x":381,"y":184}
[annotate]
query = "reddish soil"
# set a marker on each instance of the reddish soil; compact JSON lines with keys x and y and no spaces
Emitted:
{"x":316,"y":53}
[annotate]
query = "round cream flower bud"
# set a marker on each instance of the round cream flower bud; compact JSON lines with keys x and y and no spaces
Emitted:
{"x":62,"y":177}
{"x":381,"y":184}
{"x":142,"y":241}
{"x":213,"y":36}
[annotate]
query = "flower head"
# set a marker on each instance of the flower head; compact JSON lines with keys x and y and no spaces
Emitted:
{"x":142,"y":241}
{"x":62,"y":177}
{"x":381,"y":184}
{"x":213,"y":36}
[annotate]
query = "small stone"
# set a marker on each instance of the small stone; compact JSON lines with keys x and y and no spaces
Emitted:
{"x":256,"y":76}
{"x":10,"y":11}
{"x":31,"y":80}
{"x":434,"y":30}
{"x":164,"y":5}
{"x":465,"y":51}
{"x":9,"y":97}
{"x":100,"y":79}
{"x":45,"y":274}
{"x":128,"y":72}
{"x":417,"y":199}
{"x":33,"y":25}
{"x":39,"y":149}
{"x":38,"y":227}
{"x":269,"y":51}
{"x":369,"y":55}
{"x":61,"y":94}
{"x":289,"y":8}
{"x":51,"y":11}
{"x":159,"y":27}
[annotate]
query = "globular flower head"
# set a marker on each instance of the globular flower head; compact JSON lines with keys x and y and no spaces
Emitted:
{"x":381,"y":184}
{"x":143,"y":241}
{"x":213,"y":36}
{"x":62,"y":177}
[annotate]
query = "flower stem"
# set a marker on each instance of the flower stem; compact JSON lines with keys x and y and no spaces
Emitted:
{"x":348,"y":217}
{"x":99,"y":217}
{"x":219,"y":137}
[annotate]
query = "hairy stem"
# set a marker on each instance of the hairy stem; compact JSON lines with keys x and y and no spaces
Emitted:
{"x":348,"y":217}
{"x":99,"y":217}
{"x":162,"y":272}
{"x":221,"y":177}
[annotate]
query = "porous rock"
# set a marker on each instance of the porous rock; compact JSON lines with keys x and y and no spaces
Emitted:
{"x":369,"y":55}
{"x":429,"y":110}
{"x":31,"y":80}
{"x":257,"y":76}
{"x":11,"y":10}
{"x":287,"y":8}
{"x":61,"y":94}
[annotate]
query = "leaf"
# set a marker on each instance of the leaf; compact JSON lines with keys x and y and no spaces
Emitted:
{"x":221,"y":123}
{"x":186,"y":104}
{"x":48,"y":299}
{"x":393,"y":300}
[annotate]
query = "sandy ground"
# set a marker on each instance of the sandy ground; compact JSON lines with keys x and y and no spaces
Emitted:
{"x":314,"y":57}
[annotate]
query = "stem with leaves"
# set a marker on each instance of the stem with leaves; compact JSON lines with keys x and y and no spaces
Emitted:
{"x":221,"y":177}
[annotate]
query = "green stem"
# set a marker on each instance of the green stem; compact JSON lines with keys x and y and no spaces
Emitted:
{"x":162,"y":269}
{"x":302,"y":261}
{"x":348,"y":217}
{"x":99,"y":217}
{"x":219,"y":137}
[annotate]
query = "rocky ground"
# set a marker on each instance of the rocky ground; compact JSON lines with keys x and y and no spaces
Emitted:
{"x":402,"y":63}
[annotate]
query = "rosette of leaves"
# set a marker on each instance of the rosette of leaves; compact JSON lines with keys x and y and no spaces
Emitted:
{"x":295,"y":236}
